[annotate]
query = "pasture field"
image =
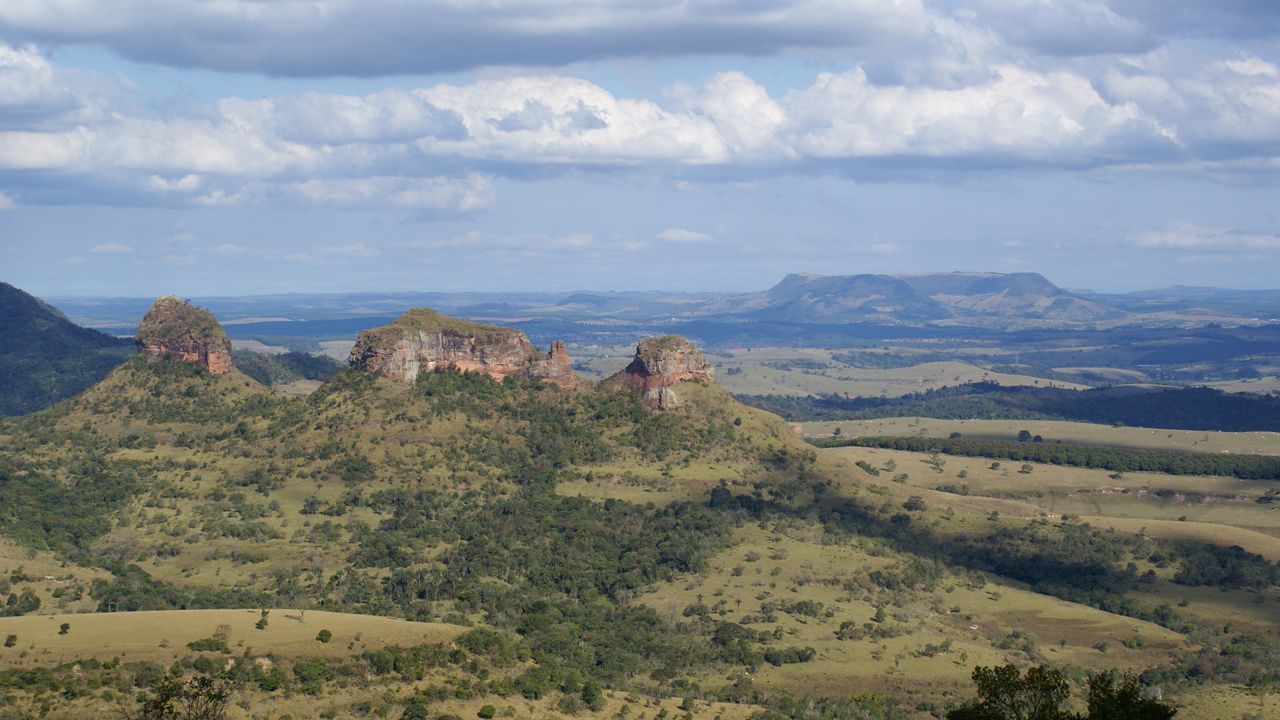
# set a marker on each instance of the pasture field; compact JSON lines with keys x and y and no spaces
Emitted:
{"x":785,"y":371}
{"x":1245,"y":443}
{"x":163,"y":635}
{"x":1222,"y":510}
{"x":813,"y":371}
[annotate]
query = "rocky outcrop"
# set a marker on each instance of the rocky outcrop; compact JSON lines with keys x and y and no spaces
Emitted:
{"x":422,"y":340}
{"x":660,"y":364}
{"x":175,"y":328}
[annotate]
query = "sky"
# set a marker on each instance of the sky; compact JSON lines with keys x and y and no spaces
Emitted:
{"x":244,"y":147}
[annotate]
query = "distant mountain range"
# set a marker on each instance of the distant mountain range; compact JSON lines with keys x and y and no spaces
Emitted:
{"x":988,"y":300}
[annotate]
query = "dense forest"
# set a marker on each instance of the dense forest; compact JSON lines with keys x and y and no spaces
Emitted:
{"x":1193,"y":408}
{"x":45,"y":357}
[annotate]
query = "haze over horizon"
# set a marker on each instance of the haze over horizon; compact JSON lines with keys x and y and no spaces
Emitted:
{"x":179,"y":147}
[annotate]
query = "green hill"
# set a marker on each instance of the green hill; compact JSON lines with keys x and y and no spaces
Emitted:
{"x":592,"y":544}
{"x":44,"y":357}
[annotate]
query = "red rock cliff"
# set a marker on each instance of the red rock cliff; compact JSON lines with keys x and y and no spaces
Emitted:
{"x":179,"y":329}
{"x":422,"y":340}
{"x":661,"y":363}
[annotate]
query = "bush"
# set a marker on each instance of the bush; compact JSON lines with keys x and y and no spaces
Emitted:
{"x":10,"y":640}
{"x":209,"y":645}
{"x":324,"y":636}
{"x":487,"y":712}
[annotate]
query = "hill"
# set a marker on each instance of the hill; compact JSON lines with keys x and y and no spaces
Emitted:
{"x":44,"y":357}
{"x":1025,"y":299}
{"x":594,"y":537}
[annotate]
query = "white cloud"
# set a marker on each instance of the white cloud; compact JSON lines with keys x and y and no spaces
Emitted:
{"x":461,"y":195}
{"x":435,"y":151}
{"x":111,"y":249}
{"x":6,"y":203}
{"x":353,"y":250}
{"x":681,"y":235}
{"x":230,"y":249}
{"x":524,"y":243}
{"x":1192,"y":237}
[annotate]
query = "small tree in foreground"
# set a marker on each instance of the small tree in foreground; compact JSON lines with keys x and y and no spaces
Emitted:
{"x":201,"y":698}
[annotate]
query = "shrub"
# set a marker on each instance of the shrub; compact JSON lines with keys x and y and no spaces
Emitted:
{"x":10,"y":640}
{"x":209,"y":645}
{"x":324,"y":636}
{"x":487,"y":712}
{"x":64,"y":628}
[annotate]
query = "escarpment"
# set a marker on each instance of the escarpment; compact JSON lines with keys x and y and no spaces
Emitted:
{"x":175,"y":328}
{"x":422,"y":340}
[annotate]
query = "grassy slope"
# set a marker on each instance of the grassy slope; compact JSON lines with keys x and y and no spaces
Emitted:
{"x":393,"y":427}
{"x":162,"y":636}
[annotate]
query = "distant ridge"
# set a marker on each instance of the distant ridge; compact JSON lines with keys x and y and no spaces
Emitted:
{"x":919,"y":299}
{"x":44,"y":357}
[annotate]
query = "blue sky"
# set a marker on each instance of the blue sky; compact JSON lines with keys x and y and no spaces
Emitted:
{"x":165,"y":146}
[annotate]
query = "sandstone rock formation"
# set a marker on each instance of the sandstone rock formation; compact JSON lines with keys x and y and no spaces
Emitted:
{"x":179,"y":329}
{"x":660,"y":364}
{"x":422,"y":340}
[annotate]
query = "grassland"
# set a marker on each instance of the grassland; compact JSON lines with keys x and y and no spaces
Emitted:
{"x":1248,"y":443}
{"x":944,"y":630}
{"x":785,"y":371}
{"x":812,"y":371}
{"x":162,"y":636}
{"x":246,"y":489}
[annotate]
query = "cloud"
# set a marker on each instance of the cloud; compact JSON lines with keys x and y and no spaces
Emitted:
{"x":1067,"y":27}
{"x":680,"y":235}
{"x":29,"y":88}
{"x":459,"y":195}
{"x":353,"y":250}
{"x":370,"y":39}
{"x":111,"y":249}
{"x":436,"y":152}
{"x":1191,"y":237}
{"x":523,"y":243}
{"x":6,"y":203}
{"x":230,"y":249}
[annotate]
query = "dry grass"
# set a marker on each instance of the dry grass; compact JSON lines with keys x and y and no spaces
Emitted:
{"x":1248,"y":443}
{"x":162,"y":635}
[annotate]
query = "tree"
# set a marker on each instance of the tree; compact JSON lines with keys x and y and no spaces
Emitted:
{"x":591,"y":695}
{"x":1119,"y":697}
{"x":1024,"y":435}
{"x":202,"y":698}
{"x":1006,"y":694}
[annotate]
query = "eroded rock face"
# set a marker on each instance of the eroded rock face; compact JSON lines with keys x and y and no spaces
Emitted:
{"x":179,"y":329}
{"x":660,"y":364}
{"x":422,"y":340}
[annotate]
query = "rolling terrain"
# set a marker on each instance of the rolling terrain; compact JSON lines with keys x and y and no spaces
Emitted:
{"x":515,"y":537}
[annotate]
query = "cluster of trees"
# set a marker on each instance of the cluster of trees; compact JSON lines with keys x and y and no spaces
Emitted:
{"x":1004,"y":693}
{"x":1118,"y":459}
{"x":1192,"y":408}
{"x":271,"y":370}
